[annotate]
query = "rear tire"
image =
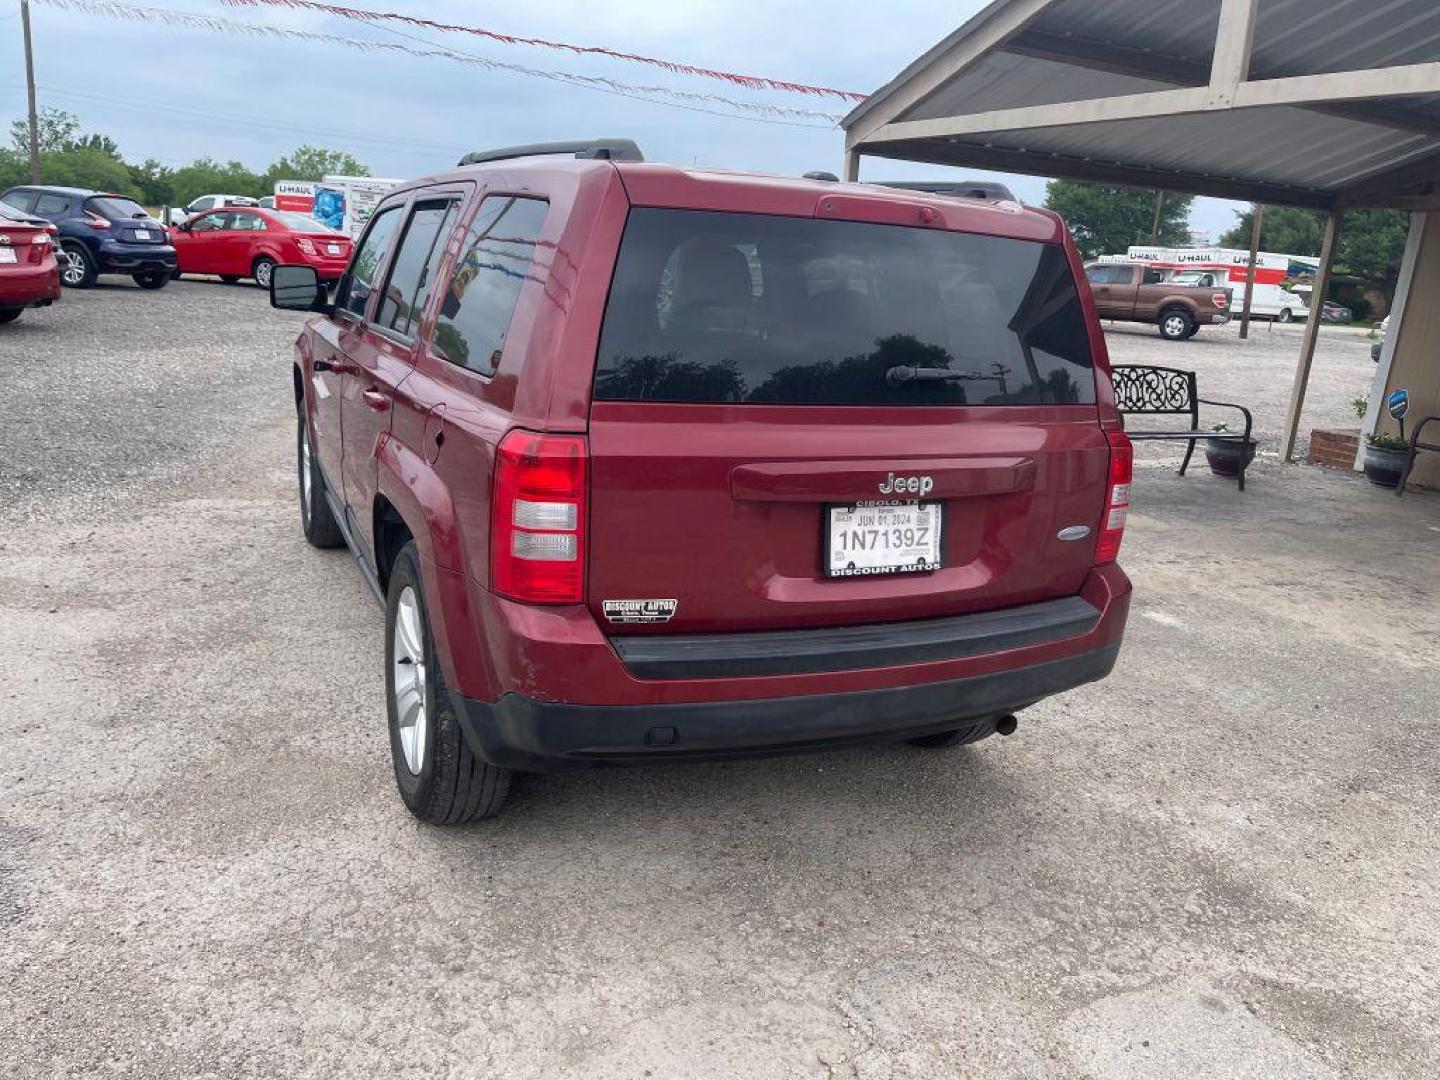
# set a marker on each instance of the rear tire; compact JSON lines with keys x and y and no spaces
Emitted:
{"x":9,"y":315}
{"x":944,"y":740}
{"x":77,"y":267}
{"x":440,"y":780}
{"x":1286,"y":315}
{"x":1177,"y":324}
{"x":318,"y":523}
{"x":262,"y":270}
{"x":152,"y":279}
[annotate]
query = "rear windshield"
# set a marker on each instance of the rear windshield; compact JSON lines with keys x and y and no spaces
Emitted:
{"x":293,"y":219}
{"x":750,"y":308}
{"x":116,"y":207}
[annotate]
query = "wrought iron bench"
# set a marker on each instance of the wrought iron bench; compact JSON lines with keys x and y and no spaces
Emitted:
{"x":1415,"y":447}
{"x":1160,"y":391}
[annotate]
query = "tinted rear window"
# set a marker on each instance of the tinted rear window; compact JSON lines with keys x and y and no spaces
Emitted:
{"x":116,"y":207}
{"x":717,"y":307}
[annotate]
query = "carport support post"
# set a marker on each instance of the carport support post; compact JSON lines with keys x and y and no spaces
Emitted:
{"x":1312,"y":336}
{"x":30,"y":92}
{"x":1259,"y":213}
{"x":852,"y":166}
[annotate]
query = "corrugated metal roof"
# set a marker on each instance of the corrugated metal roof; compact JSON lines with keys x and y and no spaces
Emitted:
{"x":1078,"y":50}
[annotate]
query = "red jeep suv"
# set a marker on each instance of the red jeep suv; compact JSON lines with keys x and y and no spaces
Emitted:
{"x":649,"y":463}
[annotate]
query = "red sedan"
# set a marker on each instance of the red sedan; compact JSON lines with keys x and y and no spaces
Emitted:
{"x":248,"y":242}
{"x":29,"y":274}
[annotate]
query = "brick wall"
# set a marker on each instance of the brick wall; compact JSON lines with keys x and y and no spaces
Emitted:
{"x":1335,"y":448}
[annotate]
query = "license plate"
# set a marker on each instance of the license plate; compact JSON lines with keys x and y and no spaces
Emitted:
{"x":142,"y":234}
{"x":7,"y":255}
{"x":332,"y":249}
{"x":882,"y":538}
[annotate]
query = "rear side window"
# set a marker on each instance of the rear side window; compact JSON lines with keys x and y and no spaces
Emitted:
{"x":498,"y":258}
{"x":407,"y":291}
{"x":365,"y":267}
{"x":718,"y":307}
{"x":51,"y":204}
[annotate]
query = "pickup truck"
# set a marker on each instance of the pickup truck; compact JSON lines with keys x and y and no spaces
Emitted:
{"x":1134,"y":292}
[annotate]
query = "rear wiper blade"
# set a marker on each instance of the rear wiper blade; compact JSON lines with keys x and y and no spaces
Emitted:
{"x":902,"y":374}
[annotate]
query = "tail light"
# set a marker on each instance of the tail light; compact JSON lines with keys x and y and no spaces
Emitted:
{"x":95,"y":221}
{"x":1221,"y":301}
{"x":1117,"y":497}
{"x":305,"y":245}
{"x":40,"y":238}
{"x":537,"y":518}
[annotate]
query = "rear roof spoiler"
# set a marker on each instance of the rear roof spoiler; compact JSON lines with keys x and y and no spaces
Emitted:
{"x":594,"y":149}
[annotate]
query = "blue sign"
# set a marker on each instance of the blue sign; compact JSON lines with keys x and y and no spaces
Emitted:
{"x":1399,"y":404}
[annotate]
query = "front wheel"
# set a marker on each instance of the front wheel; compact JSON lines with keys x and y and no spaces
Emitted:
{"x":262,"y":270}
{"x":440,"y":780}
{"x":1177,"y":324}
{"x":77,"y":268}
{"x":9,"y":314}
{"x":318,"y":523}
{"x":152,"y":279}
{"x":1286,"y":315}
{"x":229,"y":279}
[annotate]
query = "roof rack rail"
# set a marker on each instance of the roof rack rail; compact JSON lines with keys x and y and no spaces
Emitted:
{"x":601,"y":149}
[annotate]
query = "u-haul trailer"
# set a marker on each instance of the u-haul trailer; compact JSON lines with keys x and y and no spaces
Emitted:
{"x":1228,"y":267}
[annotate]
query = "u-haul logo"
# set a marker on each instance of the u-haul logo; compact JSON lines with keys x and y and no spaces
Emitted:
{"x":639,"y":611}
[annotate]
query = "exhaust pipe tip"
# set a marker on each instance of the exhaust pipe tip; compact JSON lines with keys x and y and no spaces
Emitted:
{"x":1006,"y":725}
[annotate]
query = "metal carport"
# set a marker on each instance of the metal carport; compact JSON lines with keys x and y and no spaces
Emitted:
{"x":1286,"y":102}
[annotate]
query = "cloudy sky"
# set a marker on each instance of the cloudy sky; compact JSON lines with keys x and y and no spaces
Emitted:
{"x":175,"y":93}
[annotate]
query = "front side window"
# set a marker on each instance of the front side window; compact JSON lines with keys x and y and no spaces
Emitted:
{"x":365,"y":267}
{"x":498,"y":258}
{"x":414,"y":265}
{"x":710,"y":307}
{"x":210,"y":223}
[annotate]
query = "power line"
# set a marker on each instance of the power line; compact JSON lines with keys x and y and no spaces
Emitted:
{"x":753,"y":82}
{"x":690,"y":100}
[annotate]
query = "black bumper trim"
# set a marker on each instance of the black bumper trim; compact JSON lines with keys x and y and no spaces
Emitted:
{"x":521,"y":733}
{"x":852,"y":648}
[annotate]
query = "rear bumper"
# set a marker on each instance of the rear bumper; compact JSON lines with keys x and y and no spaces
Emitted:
{"x":29,"y":286}
{"x":566,"y":695}
{"x":1220,"y":319}
{"x":519,"y":732}
{"x":121,"y":258}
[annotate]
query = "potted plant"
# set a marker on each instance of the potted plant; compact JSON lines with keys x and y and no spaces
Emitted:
{"x":1225,"y":455}
{"x":1385,"y":457}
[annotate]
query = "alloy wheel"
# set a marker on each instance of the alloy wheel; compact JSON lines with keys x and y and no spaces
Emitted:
{"x":262,"y":273}
{"x":408,"y":678}
{"x":74,"y":271}
{"x":305,"y":474}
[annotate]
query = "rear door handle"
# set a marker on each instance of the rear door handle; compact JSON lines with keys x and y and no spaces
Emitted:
{"x":377,"y":400}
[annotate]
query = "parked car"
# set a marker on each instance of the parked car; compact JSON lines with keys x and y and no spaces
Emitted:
{"x":100,"y":233}
{"x":653,"y":464}
{"x":1378,"y":345}
{"x":1332,"y":312}
{"x":29,"y":274}
{"x":1134,"y":292}
{"x":174,"y":215}
{"x":241,"y":242}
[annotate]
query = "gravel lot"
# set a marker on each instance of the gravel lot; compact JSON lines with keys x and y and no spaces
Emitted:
{"x":1218,"y":863}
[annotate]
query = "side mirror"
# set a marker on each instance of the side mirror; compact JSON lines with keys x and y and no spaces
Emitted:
{"x":298,"y":288}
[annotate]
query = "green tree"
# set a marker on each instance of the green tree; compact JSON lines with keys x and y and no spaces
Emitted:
{"x":1372,"y":242}
{"x":156,"y":182}
{"x":57,"y":130}
{"x":205,"y":176}
{"x":86,"y":167}
{"x":96,"y":141}
{"x":1106,"y":220}
{"x":312,"y":163}
{"x":1289,"y":230}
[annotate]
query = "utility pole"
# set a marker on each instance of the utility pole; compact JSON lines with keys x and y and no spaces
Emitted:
{"x":30,"y":90}
{"x":1250,"y":276}
{"x":1155,"y":224}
